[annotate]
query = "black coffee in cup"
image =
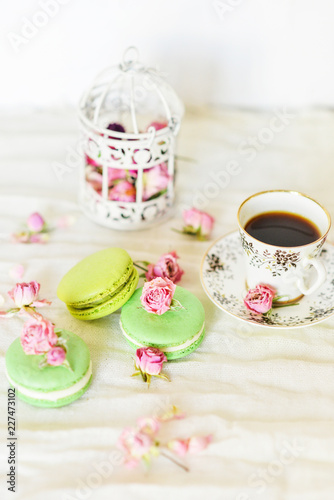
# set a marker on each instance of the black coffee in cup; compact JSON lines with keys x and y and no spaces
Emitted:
{"x":282,"y":229}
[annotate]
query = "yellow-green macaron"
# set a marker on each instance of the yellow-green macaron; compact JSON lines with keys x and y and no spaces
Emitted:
{"x":99,"y":284}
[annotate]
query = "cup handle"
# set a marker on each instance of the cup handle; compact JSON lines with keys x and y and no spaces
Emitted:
{"x":321,"y":271}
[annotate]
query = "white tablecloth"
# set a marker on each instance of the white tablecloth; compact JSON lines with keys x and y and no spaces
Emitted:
{"x":266,"y":396}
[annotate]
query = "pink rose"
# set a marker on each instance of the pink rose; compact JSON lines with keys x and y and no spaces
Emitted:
{"x":38,"y":336}
{"x":94,"y":178}
{"x":130,"y":462}
{"x":123,"y":191}
{"x":24,"y":294}
{"x":149,"y":425}
{"x":179,"y":447}
{"x":157,"y":295}
{"x":23,"y":237}
{"x":191,"y":445}
{"x":157,"y":125}
{"x":35,"y":222}
{"x":149,"y":360}
{"x":116,"y":174}
{"x":206,"y":224}
{"x":39,"y":238}
{"x":56,"y":356}
{"x":198,"y":443}
{"x":155,"y":180}
{"x":259,"y":300}
{"x":166,"y":267}
{"x":134,"y":443}
{"x":92,"y":162}
{"x":198,"y":222}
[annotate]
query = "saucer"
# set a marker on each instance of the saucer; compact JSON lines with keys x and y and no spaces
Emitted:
{"x":223,"y":280}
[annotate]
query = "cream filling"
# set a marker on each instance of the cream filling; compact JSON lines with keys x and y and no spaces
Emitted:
{"x":105,"y":298}
{"x":173,"y":348}
{"x":53,"y":395}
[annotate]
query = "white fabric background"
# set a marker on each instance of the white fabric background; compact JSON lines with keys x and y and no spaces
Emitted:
{"x":254,"y":389}
{"x":256,"y":53}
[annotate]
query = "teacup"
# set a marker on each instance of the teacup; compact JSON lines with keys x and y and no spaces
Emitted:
{"x":293,"y":271}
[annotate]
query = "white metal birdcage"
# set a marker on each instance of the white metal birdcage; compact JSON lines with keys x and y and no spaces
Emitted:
{"x":130,"y":118}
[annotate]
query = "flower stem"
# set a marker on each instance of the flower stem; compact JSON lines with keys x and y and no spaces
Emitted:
{"x":30,"y":311}
{"x":286,"y":305}
{"x":174,"y":461}
{"x":140,"y":267}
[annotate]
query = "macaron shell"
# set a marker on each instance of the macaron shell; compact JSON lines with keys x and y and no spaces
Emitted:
{"x":95,"y":277}
{"x":24,"y":371}
{"x":43,"y":403}
{"x":171,"y":329}
{"x":176,"y":354}
{"x":111,"y":305}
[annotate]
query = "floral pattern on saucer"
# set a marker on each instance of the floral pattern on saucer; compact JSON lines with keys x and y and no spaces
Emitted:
{"x":222,"y":276}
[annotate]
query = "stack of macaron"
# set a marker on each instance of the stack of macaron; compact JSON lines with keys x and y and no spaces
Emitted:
{"x":95,"y":287}
{"x":99,"y":284}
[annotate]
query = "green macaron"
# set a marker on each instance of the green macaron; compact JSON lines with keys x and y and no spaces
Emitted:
{"x":50,"y":386}
{"x":177,"y":332}
{"x":99,"y":284}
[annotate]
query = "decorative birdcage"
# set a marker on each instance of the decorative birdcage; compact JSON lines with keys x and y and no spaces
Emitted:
{"x":130,"y":118}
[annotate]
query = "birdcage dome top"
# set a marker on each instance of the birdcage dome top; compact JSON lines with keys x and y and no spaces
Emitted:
{"x":134,"y":96}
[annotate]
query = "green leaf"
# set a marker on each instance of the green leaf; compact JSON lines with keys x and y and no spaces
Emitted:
{"x":163,"y":377}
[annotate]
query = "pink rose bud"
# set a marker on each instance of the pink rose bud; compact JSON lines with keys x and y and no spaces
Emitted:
{"x":123,"y":191}
{"x":24,"y":294}
{"x":260,"y":299}
{"x":149,"y":425}
{"x":94,"y":178}
{"x":115,"y":174}
{"x":92,"y":162}
{"x":155,"y":180}
{"x":198,"y":443}
{"x":157,"y":125}
{"x":198,"y":222}
{"x":179,"y":446}
{"x":35,"y":222}
{"x":135,"y":444}
{"x":206,"y":224}
{"x":192,"y":218}
{"x":166,"y":267}
{"x":131,"y":463}
{"x":39,"y":238}
{"x":150,"y":360}
{"x":56,"y":356}
{"x":38,"y":336}
{"x":157,"y":295}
